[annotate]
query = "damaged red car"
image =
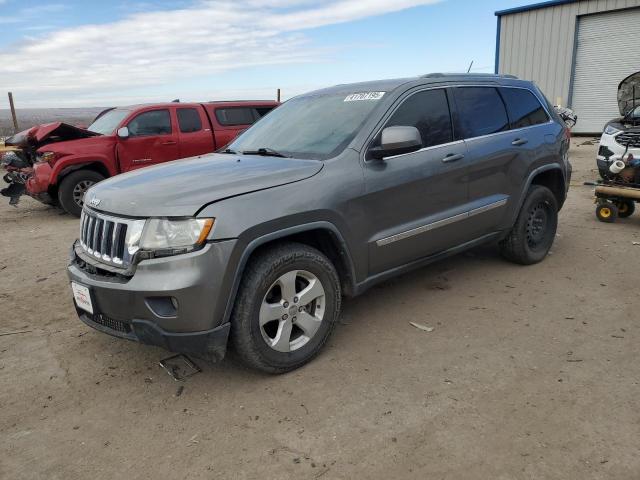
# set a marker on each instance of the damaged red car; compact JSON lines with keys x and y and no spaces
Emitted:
{"x":56,"y":163}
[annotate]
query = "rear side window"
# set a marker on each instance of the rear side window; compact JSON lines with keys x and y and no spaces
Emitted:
{"x":523,"y":107}
{"x":154,"y":122}
{"x":481,"y":111}
{"x":428,"y":111}
{"x":262,"y":111}
{"x":235,"y":116}
{"x":189,"y":120}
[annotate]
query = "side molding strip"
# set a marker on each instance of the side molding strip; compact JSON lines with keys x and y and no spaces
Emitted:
{"x":440,"y":223}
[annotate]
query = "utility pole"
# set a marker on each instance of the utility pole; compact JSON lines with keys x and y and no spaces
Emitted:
{"x":13,"y":113}
{"x":278,"y":96}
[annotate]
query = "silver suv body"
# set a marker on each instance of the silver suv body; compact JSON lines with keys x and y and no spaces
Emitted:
{"x":330,"y":193}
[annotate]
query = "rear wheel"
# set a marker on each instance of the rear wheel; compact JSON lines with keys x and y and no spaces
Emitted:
{"x":533,"y":234}
{"x":625,"y":208}
{"x":286,"y":308}
{"x":607,"y":212}
{"x":73,"y":188}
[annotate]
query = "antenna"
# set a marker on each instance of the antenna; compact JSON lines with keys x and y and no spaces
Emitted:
{"x":470,"y":65}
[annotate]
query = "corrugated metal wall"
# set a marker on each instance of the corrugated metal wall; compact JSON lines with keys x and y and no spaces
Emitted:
{"x":538,"y":44}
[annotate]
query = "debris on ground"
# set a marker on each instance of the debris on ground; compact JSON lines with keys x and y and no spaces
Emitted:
{"x":15,"y":333}
{"x":180,"y":390}
{"x":419,"y":326}
{"x":180,"y":367}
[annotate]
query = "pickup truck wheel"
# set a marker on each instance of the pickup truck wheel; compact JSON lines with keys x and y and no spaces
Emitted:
{"x":533,"y":234}
{"x":73,"y":187}
{"x":286,"y":308}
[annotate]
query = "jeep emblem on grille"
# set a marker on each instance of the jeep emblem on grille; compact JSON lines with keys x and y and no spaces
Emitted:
{"x":94,"y":202}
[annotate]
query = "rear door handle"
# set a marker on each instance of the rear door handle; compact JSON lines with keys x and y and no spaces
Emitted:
{"x":452,"y":157}
{"x":170,"y":142}
{"x":519,"y":141}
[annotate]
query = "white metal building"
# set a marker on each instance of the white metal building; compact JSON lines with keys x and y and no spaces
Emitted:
{"x":577,"y":52}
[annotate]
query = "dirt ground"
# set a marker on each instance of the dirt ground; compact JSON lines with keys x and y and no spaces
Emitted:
{"x":530,"y":373}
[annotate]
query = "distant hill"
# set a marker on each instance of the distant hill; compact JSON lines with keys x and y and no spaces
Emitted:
{"x":28,"y":117}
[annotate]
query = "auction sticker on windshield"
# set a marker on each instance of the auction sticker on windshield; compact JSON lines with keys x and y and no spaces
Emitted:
{"x":82,"y":297}
{"x":358,"y":97}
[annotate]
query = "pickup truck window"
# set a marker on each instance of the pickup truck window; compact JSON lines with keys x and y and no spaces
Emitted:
{"x":262,"y":111}
{"x":428,"y":111}
{"x":324,"y":124}
{"x":481,"y":111}
{"x":154,"y":122}
{"x":189,"y":120}
{"x":107,"y":123}
{"x":230,"y":117}
{"x":523,"y":107}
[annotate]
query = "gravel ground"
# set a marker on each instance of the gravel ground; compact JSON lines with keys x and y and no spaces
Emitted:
{"x":530,"y":372}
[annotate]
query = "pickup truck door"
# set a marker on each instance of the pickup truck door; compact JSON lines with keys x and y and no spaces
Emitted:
{"x":152,"y":139}
{"x":196,"y":137}
{"x":416,"y":201}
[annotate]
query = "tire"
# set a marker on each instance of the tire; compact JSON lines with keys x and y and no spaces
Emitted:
{"x":532,"y":236}
{"x":261,"y":297}
{"x":626,"y":208}
{"x":607,"y":212}
{"x":73,"y":187}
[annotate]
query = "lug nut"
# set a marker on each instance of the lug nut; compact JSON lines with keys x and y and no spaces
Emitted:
{"x":286,"y":304}
{"x":285,"y":316}
{"x":300,"y":309}
{"x":295,"y":299}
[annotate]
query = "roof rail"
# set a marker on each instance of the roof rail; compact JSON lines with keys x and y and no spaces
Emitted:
{"x":440,"y":75}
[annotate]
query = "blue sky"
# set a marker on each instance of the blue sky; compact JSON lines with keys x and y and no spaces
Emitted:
{"x":86,"y":53}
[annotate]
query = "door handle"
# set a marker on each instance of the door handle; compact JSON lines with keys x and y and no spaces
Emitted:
{"x":452,"y":157}
{"x":170,"y":142}
{"x":519,"y":141}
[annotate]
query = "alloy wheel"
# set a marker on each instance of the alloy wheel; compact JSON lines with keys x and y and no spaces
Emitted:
{"x":79,"y":191}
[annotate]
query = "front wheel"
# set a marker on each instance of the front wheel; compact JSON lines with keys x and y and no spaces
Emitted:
{"x":73,"y":188}
{"x":533,"y":234}
{"x":286,"y":308}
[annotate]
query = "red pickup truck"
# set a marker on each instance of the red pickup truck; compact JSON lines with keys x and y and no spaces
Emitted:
{"x":56,"y":163}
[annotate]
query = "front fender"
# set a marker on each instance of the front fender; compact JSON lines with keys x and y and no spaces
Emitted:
{"x":74,"y":162}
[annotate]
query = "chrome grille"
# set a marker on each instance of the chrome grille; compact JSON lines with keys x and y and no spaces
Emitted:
{"x":106,"y":238}
{"x":629,"y":138}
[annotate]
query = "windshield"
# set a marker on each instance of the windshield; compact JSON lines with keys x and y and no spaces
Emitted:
{"x":106,"y":124}
{"x":312,"y":126}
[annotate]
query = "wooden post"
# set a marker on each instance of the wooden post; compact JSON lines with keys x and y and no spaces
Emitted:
{"x":13,"y":113}
{"x":278,"y":96}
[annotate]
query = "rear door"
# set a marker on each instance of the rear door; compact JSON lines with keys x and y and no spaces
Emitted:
{"x":483,"y":123}
{"x":416,"y":200}
{"x":505,"y":134}
{"x":152,"y":139}
{"x":194,"y":132}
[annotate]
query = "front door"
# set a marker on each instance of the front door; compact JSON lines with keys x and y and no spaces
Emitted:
{"x":152,"y":139}
{"x":417,"y":200}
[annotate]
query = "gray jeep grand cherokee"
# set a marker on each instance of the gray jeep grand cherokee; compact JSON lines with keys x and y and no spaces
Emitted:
{"x":330,"y":193}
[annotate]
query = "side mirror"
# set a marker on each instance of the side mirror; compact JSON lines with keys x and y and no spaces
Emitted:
{"x":123,"y":132}
{"x":396,"y":141}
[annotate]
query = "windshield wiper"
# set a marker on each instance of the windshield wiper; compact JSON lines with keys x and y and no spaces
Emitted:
{"x":265,"y":152}
{"x":228,"y":150}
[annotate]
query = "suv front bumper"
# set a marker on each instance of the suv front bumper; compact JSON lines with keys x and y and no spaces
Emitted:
{"x":169,"y":302}
{"x":612,"y":149}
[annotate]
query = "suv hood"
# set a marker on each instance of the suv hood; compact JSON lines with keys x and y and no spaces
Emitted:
{"x":183,"y":187}
{"x":625,"y":93}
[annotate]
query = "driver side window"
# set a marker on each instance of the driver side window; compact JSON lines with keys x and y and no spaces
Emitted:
{"x":428,"y":111}
{"x":154,"y":122}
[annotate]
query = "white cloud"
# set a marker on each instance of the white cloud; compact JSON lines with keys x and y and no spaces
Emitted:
{"x":156,"y":48}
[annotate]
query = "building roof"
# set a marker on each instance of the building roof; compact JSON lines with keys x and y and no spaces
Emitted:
{"x":533,"y":6}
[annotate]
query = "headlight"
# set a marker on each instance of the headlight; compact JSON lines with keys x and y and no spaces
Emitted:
{"x":183,"y":235}
{"x":610,"y":130}
{"x":42,"y":157}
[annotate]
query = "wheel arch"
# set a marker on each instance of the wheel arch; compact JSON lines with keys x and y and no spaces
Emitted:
{"x":95,"y":165}
{"x":550,"y":176}
{"x":321,"y":235}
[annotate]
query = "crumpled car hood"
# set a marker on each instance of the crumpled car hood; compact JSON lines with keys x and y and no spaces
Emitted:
{"x":625,"y":93}
{"x":183,"y":187}
{"x":49,"y":132}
